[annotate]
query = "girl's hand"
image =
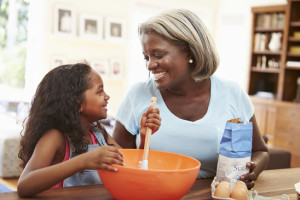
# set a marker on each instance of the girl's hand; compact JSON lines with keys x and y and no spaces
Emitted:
{"x":101,"y":157}
{"x":151,"y":119}
{"x":250,"y":177}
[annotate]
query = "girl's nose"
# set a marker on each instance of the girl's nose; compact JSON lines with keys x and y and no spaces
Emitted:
{"x":106,"y":97}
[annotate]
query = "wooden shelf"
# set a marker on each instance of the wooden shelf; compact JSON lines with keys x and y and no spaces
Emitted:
{"x":268,"y":52}
{"x":293,"y":54}
{"x":294,"y":39}
{"x":267,"y":70}
{"x":258,"y":29}
{"x":292,"y":68}
{"x":295,"y":24}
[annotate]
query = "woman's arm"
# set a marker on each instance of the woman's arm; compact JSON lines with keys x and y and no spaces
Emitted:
{"x":259,"y":158}
{"x":111,"y":140}
{"x":260,"y":153}
{"x":124,"y":138}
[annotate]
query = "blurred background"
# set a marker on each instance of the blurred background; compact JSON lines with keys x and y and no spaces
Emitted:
{"x":38,"y":35}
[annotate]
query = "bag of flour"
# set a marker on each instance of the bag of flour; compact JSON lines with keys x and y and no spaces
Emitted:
{"x":235,"y":151}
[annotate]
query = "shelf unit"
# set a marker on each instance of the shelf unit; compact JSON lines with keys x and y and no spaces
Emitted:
{"x":279,"y":117}
{"x":266,"y":66}
{"x":292,"y":72}
{"x":279,"y":79}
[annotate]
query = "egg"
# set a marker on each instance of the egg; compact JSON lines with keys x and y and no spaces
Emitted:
{"x":242,"y":183}
{"x":240,"y":191}
{"x":222,"y":190}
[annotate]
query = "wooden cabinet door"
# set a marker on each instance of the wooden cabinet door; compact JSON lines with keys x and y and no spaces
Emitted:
{"x":266,"y":119}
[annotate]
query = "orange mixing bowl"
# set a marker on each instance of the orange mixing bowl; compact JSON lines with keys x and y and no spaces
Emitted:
{"x":169,"y":176}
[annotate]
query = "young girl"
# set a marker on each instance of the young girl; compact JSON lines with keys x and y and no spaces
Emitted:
{"x":64,"y":143}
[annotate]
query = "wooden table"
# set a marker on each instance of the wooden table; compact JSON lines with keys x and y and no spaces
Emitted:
{"x":271,"y":183}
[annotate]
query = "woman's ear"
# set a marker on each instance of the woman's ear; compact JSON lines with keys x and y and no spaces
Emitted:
{"x":188,"y":52}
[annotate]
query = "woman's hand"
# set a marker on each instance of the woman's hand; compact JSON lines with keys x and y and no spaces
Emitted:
{"x":151,"y":119}
{"x":250,"y":177}
{"x":102,"y":157}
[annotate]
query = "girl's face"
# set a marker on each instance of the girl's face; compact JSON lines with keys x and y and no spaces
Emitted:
{"x":95,"y":105}
{"x":167,"y":61}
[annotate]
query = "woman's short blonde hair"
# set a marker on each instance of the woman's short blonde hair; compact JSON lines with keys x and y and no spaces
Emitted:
{"x":185,"y":28}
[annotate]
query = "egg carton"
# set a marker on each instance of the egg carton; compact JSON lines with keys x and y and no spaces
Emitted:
{"x":252,"y":194}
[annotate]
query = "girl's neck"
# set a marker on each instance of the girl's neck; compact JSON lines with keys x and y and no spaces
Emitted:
{"x":86,"y":125}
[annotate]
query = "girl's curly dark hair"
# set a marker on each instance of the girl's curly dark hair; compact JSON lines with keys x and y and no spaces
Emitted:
{"x":56,"y":105}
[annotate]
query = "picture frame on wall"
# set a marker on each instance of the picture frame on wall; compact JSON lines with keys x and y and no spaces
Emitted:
{"x":115,"y":29}
{"x":101,"y":67}
{"x":64,"y":20}
{"x":91,"y":26}
{"x":116,"y":68}
{"x":58,"y":60}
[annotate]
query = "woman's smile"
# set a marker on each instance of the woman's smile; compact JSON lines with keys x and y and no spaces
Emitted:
{"x":159,"y":75}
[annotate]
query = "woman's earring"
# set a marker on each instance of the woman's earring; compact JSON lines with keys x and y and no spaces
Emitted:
{"x":191,"y":61}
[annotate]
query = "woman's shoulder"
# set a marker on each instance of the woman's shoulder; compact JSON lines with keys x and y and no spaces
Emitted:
{"x":142,"y":85}
{"x":146,"y":88}
{"x":225,"y":84}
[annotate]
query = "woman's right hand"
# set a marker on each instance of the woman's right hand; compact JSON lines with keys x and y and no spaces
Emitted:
{"x":151,"y":119}
{"x":102,"y":157}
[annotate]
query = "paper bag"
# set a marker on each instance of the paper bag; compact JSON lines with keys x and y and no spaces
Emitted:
{"x":235,"y":151}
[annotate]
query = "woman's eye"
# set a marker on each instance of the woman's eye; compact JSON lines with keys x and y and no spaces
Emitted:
{"x":158,"y":56}
{"x":146,"y":58}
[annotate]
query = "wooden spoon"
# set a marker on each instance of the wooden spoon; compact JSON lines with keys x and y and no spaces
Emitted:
{"x":144,"y":164}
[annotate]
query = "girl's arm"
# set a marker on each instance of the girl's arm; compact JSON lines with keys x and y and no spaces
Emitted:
{"x":45,"y":168}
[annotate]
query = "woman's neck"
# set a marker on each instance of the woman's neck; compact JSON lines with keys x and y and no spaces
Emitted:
{"x":189,"y":89}
{"x":188,"y":102}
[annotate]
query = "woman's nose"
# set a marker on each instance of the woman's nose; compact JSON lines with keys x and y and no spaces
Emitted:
{"x":151,"y":65}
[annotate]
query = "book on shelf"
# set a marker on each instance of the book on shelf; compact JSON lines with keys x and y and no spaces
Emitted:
{"x":280,"y":19}
{"x":259,"y":21}
{"x":274,"y":20}
{"x":257,"y":41}
{"x":267,"y":21}
{"x":264,"y":94}
{"x":293,"y":63}
{"x":263,"y":62}
{"x":270,"y":20}
{"x":258,"y":62}
{"x":261,"y":41}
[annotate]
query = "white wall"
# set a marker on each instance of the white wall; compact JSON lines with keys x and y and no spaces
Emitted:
{"x":233,"y":37}
{"x":228,"y":20}
{"x":44,"y":44}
